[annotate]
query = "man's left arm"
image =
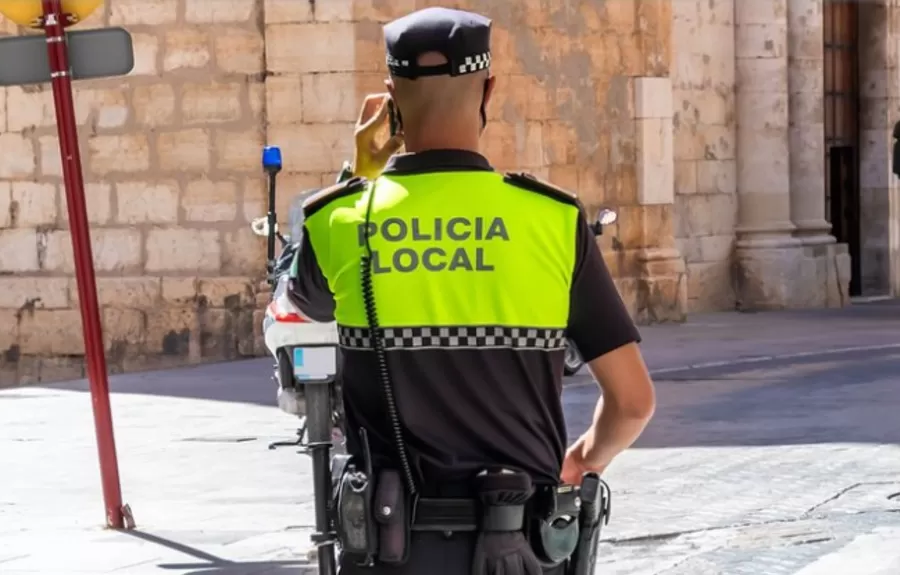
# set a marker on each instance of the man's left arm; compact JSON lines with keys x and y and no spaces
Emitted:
{"x":308,"y":285}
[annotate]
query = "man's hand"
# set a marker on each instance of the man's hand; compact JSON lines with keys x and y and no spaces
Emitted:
{"x":574,"y":465}
{"x":369,"y":159}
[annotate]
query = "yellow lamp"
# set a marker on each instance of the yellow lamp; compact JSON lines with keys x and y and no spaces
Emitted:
{"x":29,"y":13}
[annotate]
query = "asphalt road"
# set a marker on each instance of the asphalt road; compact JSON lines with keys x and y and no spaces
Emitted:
{"x":782,"y":458}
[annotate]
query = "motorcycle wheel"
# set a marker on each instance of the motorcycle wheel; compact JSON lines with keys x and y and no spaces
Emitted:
{"x":572,"y":362}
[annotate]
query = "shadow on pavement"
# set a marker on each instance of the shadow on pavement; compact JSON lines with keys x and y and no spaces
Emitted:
{"x":836,"y":398}
{"x":213,"y":565}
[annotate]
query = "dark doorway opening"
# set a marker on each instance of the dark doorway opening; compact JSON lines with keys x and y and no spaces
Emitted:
{"x":842,"y":195}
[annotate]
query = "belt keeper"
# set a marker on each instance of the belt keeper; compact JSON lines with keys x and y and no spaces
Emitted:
{"x":503,"y":518}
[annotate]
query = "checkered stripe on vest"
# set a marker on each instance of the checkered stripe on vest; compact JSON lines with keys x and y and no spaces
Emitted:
{"x":452,"y":337}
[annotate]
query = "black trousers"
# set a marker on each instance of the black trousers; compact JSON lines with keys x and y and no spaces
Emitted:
{"x":430,"y":554}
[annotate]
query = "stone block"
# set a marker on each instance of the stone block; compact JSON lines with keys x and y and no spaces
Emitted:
{"x":34,"y":108}
{"x":121,"y":153}
{"x":171,"y":331}
{"x":185,"y":150}
{"x":146,"y":202}
{"x":238,"y":151}
{"x":209,"y":201}
{"x":239,"y":50}
{"x":764,"y":165}
{"x":329,"y":98}
{"x":717,"y":177}
{"x":710,"y":287}
{"x":49,"y":160}
{"x":768,"y":278}
{"x":124,"y":332}
{"x":51,"y":332}
{"x":314,"y":147}
{"x":32,"y":204}
{"x":9,"y":342}
{"x":719,"y":143}
{"x":284,"y":99}
{"x":186,"y":48}
{"x":180,"y":249}
{"x":114,"y":250}
{"x":154,"y":105}
{"x":514,"y":146}
{"x":243,"y":252}
{"x":293,"y":12}
{"x":705,"y":214}
{"x":102,"y":108}
{"x":34,"y":293}
{"x":211,"y":103}
{"x":324,"y":48}
{"x":20,"y":250}
{"x":227,"y":292}
{"x":146,"y":55}
{"x":17,"y":152}
{"x":368,"y":10}
{"x":256,"y":98}
{"x":98,"y":202}
{"x":760,"y":12}
{"x":655,"y":169}
{"x":653,"y":98}
{"x":141,"y":12}
{"x":142,"y":293}
{"x":5,"y":199}
{"x":180,"y":290}
{"x":220,"y":11}
{"x":685,"y":177}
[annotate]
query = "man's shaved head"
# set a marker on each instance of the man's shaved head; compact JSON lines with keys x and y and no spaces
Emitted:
{"x":436,"y":101}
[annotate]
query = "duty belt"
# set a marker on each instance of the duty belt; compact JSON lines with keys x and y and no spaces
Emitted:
{"x":458,"y":514}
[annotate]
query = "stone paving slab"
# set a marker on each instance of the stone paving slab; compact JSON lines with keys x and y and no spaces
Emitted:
{"x":763,"y":468}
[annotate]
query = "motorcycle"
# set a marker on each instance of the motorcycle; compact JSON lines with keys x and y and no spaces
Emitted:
{"x":573,"y":361}
{"x":295,"y":342}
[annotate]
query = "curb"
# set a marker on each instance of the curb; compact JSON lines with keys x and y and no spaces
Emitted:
{"x":760,"y":359}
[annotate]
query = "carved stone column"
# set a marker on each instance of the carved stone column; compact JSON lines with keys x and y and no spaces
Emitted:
{"x":807,"y":122}
{"x":766,"y":252}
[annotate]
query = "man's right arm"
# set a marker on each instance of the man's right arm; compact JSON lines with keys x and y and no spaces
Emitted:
{"x":607,"y":339}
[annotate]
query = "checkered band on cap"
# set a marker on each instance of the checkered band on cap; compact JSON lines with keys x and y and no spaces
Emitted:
{"x":452,"y":337}
{"x":395,"y":63}
{"x":475,"y":63}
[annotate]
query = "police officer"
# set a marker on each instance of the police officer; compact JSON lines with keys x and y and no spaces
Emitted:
{"x":454,"y":288}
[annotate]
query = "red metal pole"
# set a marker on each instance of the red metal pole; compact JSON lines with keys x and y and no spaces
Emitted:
{"x":57,"y":50}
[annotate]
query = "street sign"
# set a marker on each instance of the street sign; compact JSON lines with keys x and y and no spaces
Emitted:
{"x":99,"y":53}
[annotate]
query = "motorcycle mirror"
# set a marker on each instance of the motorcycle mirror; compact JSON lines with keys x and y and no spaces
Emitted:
{"x":607,"y":217}
{"x":260,"y":226}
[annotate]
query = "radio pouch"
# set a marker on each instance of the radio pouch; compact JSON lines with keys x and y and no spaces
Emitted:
{"x":392,"y":514}
{"x":354,"y":523}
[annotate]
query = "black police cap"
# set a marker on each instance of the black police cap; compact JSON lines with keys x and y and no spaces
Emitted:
{"x":464,"y":38}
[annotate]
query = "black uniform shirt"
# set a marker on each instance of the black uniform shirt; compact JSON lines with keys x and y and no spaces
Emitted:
{"x":488,"y":393}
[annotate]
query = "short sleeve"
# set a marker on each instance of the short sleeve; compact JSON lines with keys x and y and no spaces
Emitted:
{"x":598,"y":320}
{"x":309,"y":288}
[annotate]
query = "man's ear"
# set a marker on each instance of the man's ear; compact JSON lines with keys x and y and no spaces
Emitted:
{"x":489,"y":89}
{"x":389,"y":84}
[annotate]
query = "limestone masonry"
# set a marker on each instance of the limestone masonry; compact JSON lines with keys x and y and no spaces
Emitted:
{"x":700,"y":122}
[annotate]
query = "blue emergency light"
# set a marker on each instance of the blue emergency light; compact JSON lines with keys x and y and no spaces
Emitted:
{"x":271,"y":158}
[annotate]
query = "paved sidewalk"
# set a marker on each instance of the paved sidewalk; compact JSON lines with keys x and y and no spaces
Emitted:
{"x":783,"y":466}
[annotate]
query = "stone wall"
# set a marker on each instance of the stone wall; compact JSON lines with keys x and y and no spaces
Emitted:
{"x":172,"y":175}
{"x":703,"y":80}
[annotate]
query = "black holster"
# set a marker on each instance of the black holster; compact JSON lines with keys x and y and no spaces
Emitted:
{"x":595,"y":510}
